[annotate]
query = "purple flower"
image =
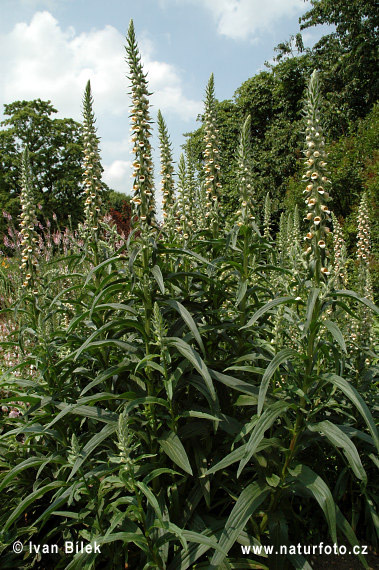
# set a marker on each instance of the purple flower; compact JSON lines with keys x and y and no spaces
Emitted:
{"x":13,"y":414}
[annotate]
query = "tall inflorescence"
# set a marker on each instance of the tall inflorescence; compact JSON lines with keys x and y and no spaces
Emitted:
{"x":245,"y":175}
{"x":267,"y":216}
{"x":29,"y":239}
{"x":167,"y":173}
{"x":201,"y":219}
{"x":92,"y":166}
{"x":193,"y":202}
{"x":183,"y":219}
{"x":365,"y":283}
{"x":282,"y":236}
{"x":316,"y":192}
{"x":296,"y":236}
{"x":363,"y":236}
{"x":143,"y":200}
{"x":339,"y":265}
{"x":212,"y":160}
{"x":196,"y":191}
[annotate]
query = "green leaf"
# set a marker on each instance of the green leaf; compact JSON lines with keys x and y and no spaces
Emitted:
{"x":30,"y":462}
{"x":353,"y":295}
{"x":278,"y":359}
{"x":151,"y":499}
{"x":200,"y":415}
{"x":186,"y":559}
{"x":351,"y":393}
{"x":71,"y":408}
{"x":200,"y":538}
{"x":267,"y":307}
{"x":247,"y":503}
{"x":338,"y":438}
{"x":313,"y":484}
{"x":299,"y":562}
{"x":192,"y":356}
{"x":241,"y":292}
{"x":90,"y":412}
{"x":146,"y":400}
{"x":264,"y":423}
{"x":95,"y":269}
{"x":336,"y":334}
{"x":187,"y":318}
{"x":229,"y":459}
{"x":157,"y":274}
{"x":21,"y":507}
{"x":173,"y":447}
{"x":157,"y":472}
{"x":310,"y":307}
{"x":344,"y":527}
{"x":235,"y":383}
{"x":107,"y":431}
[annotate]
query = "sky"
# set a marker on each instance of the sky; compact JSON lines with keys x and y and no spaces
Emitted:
{"x":50,"y":48}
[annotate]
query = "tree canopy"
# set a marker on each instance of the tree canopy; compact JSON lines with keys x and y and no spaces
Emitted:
{"x":55,"y":150}
{"x":347,"y":60}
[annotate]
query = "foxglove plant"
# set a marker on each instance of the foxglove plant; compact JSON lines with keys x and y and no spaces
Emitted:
{"x":282,"y":237}
{"x":245,"y":176}
{"x":316,"y":194}
{"x":29,"y":261}
{"x":143,"y":200}
{"x":296,"y":234}
{"x":212,"y":167}
{"x":92,"y":166}
{"x":192,"y":192}
{"x":363,"y":236}
{"x":267,"y":217}
{"x":183,"y":219}
{"x":167,"y":172}
{"x":364,"y":325}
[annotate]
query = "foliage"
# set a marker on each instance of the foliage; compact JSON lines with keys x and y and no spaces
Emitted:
{"x":182,"y":394}
{"x":347,"y":56}
{"x":55,"y":149}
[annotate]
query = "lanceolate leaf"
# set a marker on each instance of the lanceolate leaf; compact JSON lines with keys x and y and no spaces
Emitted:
{"x":247,"y":503}
{"x":353,"y":295}
{"x":270,"y":305}
{"x":338,"y":438}
{"x":157,"y":273}
{"x":351,"y":393}
{"x":238,"y":454}
{"x":151,"y":499}
{"x":188,"y":352}
{"x":241,"y":292}
{"x":314,"y":485}
{"x":264,"y":423}
{"x":27,"y":464}
{"x":278,"y":359}
{"x":187,"y":318}
{"x":106,"y":432}
{"x":173,"y":447}
{"x":344,"y":527}
{"x":336,"y":334}
{"x":235,"y":383}
{"x":98,"y":414}
{"x":310,"y":307}
{"x":23,"y":506}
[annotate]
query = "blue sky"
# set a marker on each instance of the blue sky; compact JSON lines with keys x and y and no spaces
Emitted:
{"x":50,"y":48}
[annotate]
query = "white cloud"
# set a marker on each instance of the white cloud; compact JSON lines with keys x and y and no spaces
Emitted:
{"x":118,"y":176}
{"x":40,"y":59}
{"x":248,"y":19}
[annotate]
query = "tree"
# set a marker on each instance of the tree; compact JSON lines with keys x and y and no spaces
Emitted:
{"x":55,"y":150}
{"x":347,"y":57}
